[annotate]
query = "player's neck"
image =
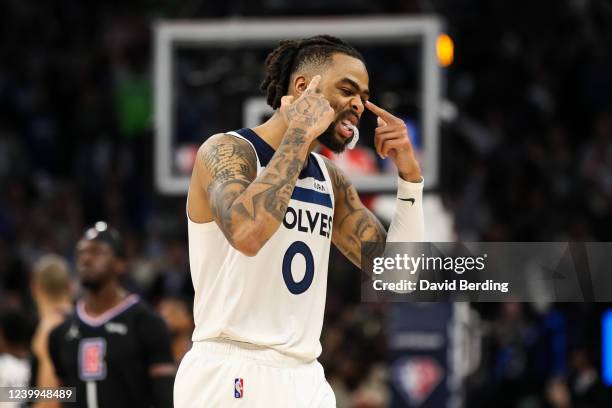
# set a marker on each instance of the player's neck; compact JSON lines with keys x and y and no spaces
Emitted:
{"x":273,"y":131}
{"x":107,"y":297}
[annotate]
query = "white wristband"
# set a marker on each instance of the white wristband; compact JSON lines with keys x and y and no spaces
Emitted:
{"x":406,"y":188}
{"x":408,"y":224}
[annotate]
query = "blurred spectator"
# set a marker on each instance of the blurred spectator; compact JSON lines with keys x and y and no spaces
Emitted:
{"x":16,"y":331}
{"x":176,"y":313}
{"x":513,"y":333}
{"x":585,"y":386}
{"x":557,"y":394}
{"x":51,"y":291}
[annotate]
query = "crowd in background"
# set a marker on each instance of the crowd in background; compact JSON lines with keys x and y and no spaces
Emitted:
{"x":529,"y":158}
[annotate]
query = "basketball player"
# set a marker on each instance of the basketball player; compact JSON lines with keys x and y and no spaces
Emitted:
{"x":263,"y":210}
{"x":114,"y":349}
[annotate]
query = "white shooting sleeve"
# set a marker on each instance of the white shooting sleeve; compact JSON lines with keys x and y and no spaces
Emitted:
{"x":408,"y":223}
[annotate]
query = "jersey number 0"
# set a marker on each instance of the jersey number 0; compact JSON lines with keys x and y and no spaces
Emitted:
{"x":298,"y":247}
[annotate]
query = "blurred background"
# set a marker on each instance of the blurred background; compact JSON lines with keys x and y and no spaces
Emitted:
{"x":525,"y":155}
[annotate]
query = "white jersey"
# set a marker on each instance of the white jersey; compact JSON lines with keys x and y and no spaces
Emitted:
{"x":275,"y":299}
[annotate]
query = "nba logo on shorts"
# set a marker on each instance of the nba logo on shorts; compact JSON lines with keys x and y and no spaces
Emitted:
{"x":238,"y":388}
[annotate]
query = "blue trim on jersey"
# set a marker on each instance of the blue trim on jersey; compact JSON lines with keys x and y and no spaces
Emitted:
{"x":265,"y":153}
{"x":263,"y":149}
{"x":311,"y":196}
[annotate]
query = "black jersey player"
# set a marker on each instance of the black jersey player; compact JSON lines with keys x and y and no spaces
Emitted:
{"x":113,"y":348}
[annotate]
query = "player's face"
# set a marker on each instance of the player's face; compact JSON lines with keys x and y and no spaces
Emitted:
{"x":345,"y":85}
{"x":96,"y":263}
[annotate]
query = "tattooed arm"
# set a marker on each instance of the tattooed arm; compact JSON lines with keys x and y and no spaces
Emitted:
{"x":353,"y":222}
{"x":248,"y":207}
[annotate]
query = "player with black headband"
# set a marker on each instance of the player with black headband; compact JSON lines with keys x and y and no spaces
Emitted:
{"x":114,"y":349}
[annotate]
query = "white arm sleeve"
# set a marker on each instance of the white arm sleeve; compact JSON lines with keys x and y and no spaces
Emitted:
{"x":408,"y":224}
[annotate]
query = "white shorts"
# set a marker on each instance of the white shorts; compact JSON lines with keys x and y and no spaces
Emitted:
{"x":229,"y":374}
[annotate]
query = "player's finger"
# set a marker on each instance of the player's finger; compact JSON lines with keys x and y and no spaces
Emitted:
{"x":385,"y":133}
{"x":380,"y":139}
{"x":380,"y":122}
{"x":380,"y":112}
{"x":314,"y":82}
{"x":401,"y":131}
{"x":392,"y":144}
{"x":384,"y":129}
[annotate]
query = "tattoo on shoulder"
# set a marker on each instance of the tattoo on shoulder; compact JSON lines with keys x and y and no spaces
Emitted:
{"x":228,"y":157}
{"x":232,"y":168}
{"x":232,"y":165}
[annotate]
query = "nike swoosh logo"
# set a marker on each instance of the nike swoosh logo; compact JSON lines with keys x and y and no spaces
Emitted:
{"x":411,"y":200}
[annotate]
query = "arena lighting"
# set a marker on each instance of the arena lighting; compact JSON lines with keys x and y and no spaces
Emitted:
{"x":445,"y":49}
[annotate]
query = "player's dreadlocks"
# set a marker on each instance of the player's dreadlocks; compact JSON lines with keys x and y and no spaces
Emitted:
{"x":291,"y":55}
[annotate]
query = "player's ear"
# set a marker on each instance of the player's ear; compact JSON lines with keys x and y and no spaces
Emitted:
{"x":300,"y":83}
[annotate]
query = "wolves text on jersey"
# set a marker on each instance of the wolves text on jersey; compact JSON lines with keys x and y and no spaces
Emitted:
{"x":304,"y":220}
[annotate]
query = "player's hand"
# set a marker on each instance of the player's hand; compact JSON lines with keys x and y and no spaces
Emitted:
{"x":310,"y":112}
{"x":391,"y":140}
